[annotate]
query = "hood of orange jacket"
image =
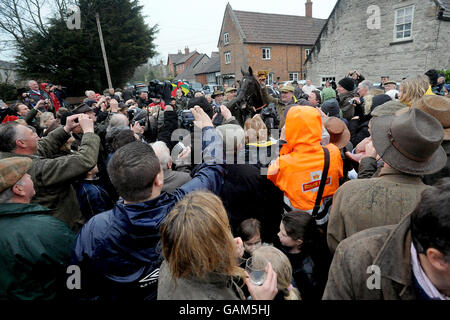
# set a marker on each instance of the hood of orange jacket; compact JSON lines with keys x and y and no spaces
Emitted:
{"x":298,"y":169}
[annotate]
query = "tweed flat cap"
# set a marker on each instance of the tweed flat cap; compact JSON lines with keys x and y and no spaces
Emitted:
{"x":12,"y":170}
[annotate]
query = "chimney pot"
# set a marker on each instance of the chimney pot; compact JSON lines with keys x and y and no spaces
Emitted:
{"x":308,"y":10}
{"x":186,"y":50}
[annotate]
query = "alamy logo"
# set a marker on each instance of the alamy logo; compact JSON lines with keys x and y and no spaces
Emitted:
{"x":374,"y":281}
{"x":74,"y":280}
{"x":74,"y":20}
{"x":374,"y":20}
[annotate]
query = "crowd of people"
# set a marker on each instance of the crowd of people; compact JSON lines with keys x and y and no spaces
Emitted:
{"x":168,"y":199}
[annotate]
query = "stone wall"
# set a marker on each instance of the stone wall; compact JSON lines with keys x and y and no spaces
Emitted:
{"x":347,"y":43}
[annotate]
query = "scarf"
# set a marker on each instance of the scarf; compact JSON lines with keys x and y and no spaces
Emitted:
{"x":422,"y":279}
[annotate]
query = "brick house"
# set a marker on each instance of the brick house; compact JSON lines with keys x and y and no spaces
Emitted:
{"x":177,"y":63}
{"x":409,"y":38}
{"x":273,"y":42}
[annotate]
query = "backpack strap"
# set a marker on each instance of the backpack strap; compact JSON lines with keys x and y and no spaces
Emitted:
{"x":323,"y":181}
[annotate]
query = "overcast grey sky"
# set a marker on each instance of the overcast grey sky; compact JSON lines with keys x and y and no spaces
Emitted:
{"x":196,"y":23}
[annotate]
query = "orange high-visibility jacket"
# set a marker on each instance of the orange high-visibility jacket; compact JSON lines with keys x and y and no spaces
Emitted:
{"x":298,"y":169}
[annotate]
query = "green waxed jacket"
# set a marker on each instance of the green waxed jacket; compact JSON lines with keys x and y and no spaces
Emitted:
{"x":52,"y":178}
{"x":34,"y":252}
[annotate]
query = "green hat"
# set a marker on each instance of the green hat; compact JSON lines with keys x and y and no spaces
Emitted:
{"x":287,"y":88}
{"x":12,"y":170}
{"x":328,"y":93}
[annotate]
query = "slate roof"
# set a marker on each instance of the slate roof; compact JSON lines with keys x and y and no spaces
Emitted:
{"x":198,"y":63}
{"x":180,"y":57}
{"x":212,"y":66}
{"x":278,"y":28}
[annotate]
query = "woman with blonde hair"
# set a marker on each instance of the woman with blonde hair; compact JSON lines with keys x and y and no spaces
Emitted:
{"x":201,"y":256}
{"x":283,"y":268}
{"x":413,"y":89}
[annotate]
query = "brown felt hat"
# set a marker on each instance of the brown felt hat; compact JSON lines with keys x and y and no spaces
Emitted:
{"x":438,"y":107}
{"x":12,"y":170}
{"x":339,"y":133}
{"x":217,"y":93}
{"x":287,"y":88}
{"x":410,"y":142}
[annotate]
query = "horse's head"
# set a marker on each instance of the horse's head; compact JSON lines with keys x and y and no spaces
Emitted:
{"x":250,"y":90}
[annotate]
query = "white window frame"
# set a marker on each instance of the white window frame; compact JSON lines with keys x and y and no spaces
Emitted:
{"x":267,"y":50}
{"x":227,"y":57}
{"x":293,"y":76}
{"x":396,"y":23}
{"x":226,"y":38}
{"x":326,"y":78}
{"x":307,"y":51}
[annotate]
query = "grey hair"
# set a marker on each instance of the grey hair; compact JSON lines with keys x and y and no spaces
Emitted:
{"x":162,"y":152}
{"x":89,"y":92}
{"x":6,"y":195}
{"x":30,"y":81}
{"x":117,"y":120}
{"x":366,"y":84}
{"x":44,"y":117}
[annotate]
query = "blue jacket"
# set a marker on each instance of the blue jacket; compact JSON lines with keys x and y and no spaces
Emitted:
{"x":118,"y":251}
{"x":92,"y":198}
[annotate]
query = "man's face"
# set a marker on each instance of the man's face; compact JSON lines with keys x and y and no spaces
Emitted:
{"x":231,"y":95}
{"x":308,"y":82}
{"x":173,"y":103}
{"x":262,"y":81}
{"x":28,"y":139}
{"x":362,"y":91}
{"x":440,"y":80}
{"x":34,"y":85}
{"x":341,"y":89}
{"x":384,"y":80}
{"x":313,"y":99}
{"x":23,"y":110}
{"x":219,"y":99}
{"x":286,"y":96}
{"x":144,"y":96}
{"x":111,"y":91}
{"x":390,"y":86}
{"x":179,"y":93}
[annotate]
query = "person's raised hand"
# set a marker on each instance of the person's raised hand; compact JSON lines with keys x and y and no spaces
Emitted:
{"x":361,"y":147}
{"x":86,"y":124}
{"x":70,"y":122}
{"x":268,"y":290}
{"x":239,"y":247}
{"x":137,"y":128}
{"x":370,"y":150}
{"x":226,"y":113}
{"x":202,"y":120}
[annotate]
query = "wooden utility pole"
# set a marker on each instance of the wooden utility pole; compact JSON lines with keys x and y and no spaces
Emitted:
{"x":105,"y":59}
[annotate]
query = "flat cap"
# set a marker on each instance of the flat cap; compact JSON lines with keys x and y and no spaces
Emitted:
{"x":12,"y":170}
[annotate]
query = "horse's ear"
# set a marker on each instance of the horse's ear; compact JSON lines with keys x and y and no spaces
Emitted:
{"x":242,"y":71}
{"x":250,"y":70}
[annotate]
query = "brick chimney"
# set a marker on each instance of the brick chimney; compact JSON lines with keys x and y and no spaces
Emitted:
{"x":308,"y":9}
{"x":186,"y":50}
